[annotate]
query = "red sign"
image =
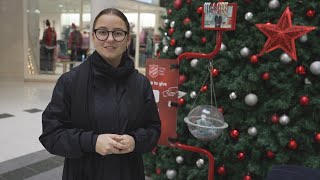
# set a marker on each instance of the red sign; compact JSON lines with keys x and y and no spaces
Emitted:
{"x":164,"y":81}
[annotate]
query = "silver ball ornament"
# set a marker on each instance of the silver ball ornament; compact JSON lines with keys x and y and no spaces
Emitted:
{"x":178,"y":51}
{"x":193,"y":94}
{"x":166,"y":21}
{"x":284,"y":119}
{"x":245,"y":52}
{"x":274,"y":4}
{"x":307,"y":81}
{"x":171,"y":174}
{"x":315,"y":68}
{"x":223,"y":47}
{"x":188,"y":34}
{"x":194,"y":63}
{"x":248,"y":16}
{"x":252,"y":131}
{"x":200,"y":163}
{"x":251,"y":99}
{"x":233,"y":96}
{"x":172,"y":24}
{"x":165,"y":41}
{"x":179,"y":159}
{"x":165,"y":49}
{"x":303,"y":38}
{"x":285,"y":58}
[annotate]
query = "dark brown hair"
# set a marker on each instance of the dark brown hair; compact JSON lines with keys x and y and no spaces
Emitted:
{"x":114,"y":12}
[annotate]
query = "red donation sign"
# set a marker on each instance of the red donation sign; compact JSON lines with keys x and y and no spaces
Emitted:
{"x":164,"y":81}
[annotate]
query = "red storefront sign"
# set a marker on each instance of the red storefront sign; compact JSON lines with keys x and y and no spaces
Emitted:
{"x":164,"y":81}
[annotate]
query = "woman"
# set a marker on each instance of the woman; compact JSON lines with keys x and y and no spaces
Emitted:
{"x":102,"y":115}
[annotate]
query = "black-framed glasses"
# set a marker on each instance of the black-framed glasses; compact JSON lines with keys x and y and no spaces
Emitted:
{"x":103,"y":34}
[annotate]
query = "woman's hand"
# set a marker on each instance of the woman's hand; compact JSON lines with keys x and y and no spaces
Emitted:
{"x":125,"y":143}
{"x":107,"y":144}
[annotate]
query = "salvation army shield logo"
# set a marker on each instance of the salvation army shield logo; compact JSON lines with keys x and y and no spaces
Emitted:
{"x":153,"y":70}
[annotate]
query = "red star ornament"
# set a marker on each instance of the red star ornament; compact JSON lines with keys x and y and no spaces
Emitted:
{"x":283,"y":34}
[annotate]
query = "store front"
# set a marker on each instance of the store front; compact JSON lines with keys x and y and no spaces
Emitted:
{"x":144,"y":17}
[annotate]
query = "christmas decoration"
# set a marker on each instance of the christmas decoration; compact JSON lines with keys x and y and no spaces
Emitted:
{"x":317,"y":138}
{"x":181,"y":101}
{"x":154,"y":151}
{"x":245,"y":52}
{"x":221,"y":170}
{"x":247,"y":177}
{"x":165,"y":49}
{"x":282,"y":35}
{"x":315,"y":68}
{"x":252,"y":131}
{"x":270,"y":155}
{"x":275,"y":119}
{"x":166,"y":21}
{"x":241,"y":156}
{"x":171,"y":31}
{"x":178,"y":50}
{"x":300,"y":70}
{"x":171,"y":174}
{"x":177,"y":4}
{"x":274,"y":4}
{"x":158,"y":171}
{"x":234,"y":134}
{"x":199,"y":10}
{"x":304,"y":100}
{"x":307,"y":81}
{"x":188,"y":34}
{"x":172,"y":42}
{"x":310,"y":13}
{"x":284,"y":119}
{"x":200,"y":163}
{"x":203,"y":40}
{"x":221,"y":109}
{"x":182,"y":79}
{"x":265,"y":76}
{"x":214,"y":72}
{"x":179,"y":159}
{"x":292,"y":144}
{"x":204,"y":88}
{"x":284,"y":58}
{"x":186,"y":21}
{"x":172,"y":24}
{"x":251,"y":99}
{"x":189,"y":1}
{"x":233,"y":96}
{"x":254,"y":59}
{"x":194,"y":63}
{"x":223,"y":47}
{"x":169,"y":11}
{"x":193,"y":94}
{"x":303,"y":38}
{"x":248,"y":16}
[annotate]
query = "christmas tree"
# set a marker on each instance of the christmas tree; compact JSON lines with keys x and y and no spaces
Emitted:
{"x":266,"y":84}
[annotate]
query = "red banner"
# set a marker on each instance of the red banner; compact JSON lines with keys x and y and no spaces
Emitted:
{"x":164,"y":81}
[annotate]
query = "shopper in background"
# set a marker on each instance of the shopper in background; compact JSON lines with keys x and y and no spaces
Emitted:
{"x":49,"y":39}
{"x":74,"y":44}
{"x":102,"y":115}
{"x":85,"y":45}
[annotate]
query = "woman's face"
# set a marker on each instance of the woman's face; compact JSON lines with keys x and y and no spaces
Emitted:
{"x":109,"y":49}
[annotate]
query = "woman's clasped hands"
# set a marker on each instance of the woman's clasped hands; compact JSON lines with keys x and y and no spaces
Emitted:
{"x":114,"y":144}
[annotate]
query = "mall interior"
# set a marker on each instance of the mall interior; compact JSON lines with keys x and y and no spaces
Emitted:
{"x":27,"y":78}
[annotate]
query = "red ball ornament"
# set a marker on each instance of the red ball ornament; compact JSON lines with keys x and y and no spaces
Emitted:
{"x":177,"y":4}
{"x":158,"y":171}
{"x":172,"y":42}
{"x":221,"y":171}
{"x":300,"y":70}
{"x":200,"y":10}
{"x":241,"y":156}
{"x":270,"y":155}
{"x":247,"y":177}
{"x":181,"y":101}
{"x":182,"y":79}
{"x":189,"y":1}
{"x":304,"y":100}
{"x":204,"y":40}
{"x":317,"y":137}
{"x":234,"y":134}
{"x":275,"y":119}
{"x":254,"y":59}
{"x":214,"y":72}
{"x":204,"y":88}
{"x":266,"y":76}
{"x":221,"y":109}
{"x":171,"y":31}
{"x":292,"y":144}
{"x":310,"y":13}
{"x":169,"y":11}
{"x":186,"y":21}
